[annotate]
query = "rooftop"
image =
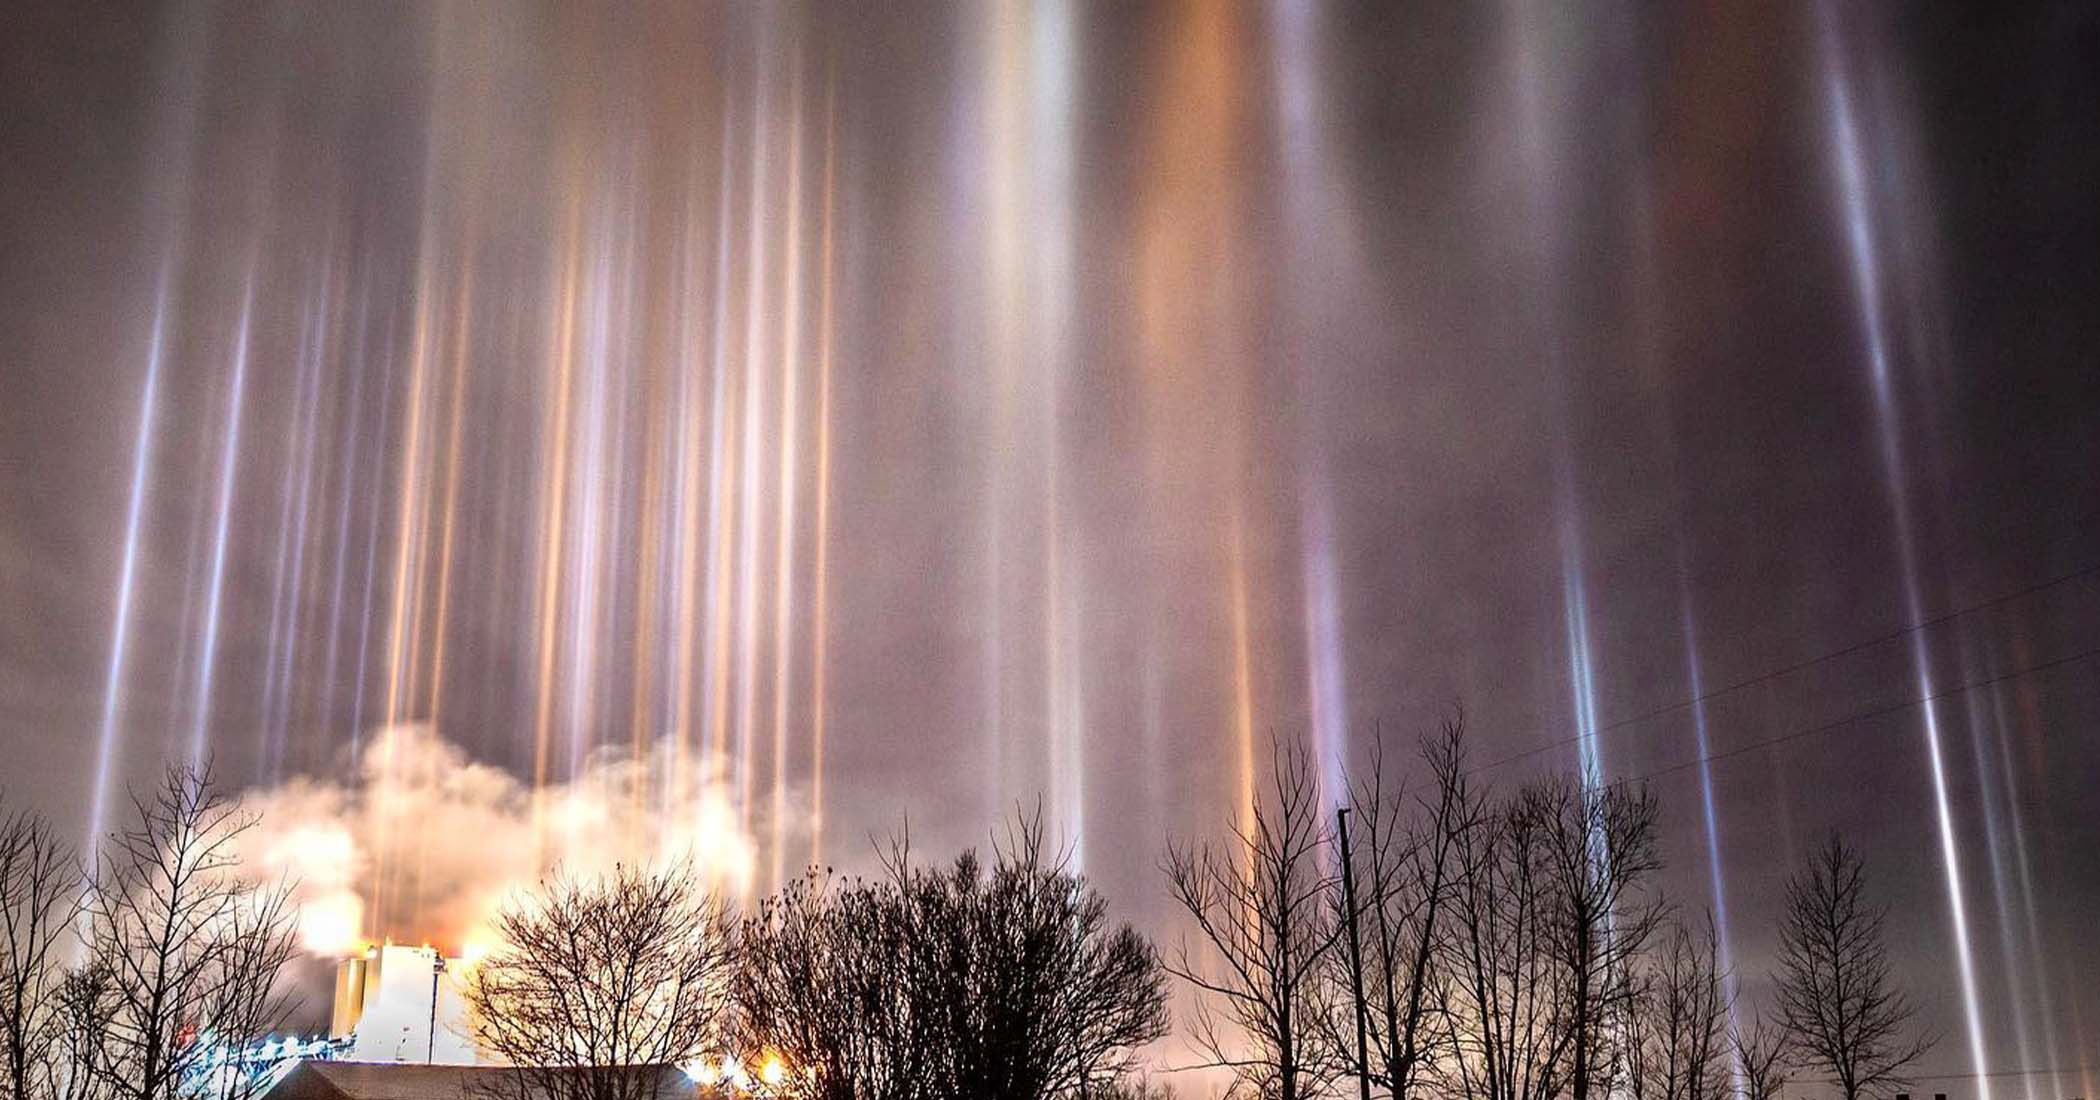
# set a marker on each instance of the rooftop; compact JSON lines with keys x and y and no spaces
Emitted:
{"x":323,"y":1080}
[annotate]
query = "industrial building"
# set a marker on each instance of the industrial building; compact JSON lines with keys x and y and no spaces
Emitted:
{"x":401,"y":1004}
{"x":381,"y":1081}
{"x":400,"y":1030}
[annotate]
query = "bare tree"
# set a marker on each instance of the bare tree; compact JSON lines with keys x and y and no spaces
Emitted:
{"x":1760,"y":1061}
{"x":185,"y":948}
{"x":84,"y":1003}
{"x":1507,"y":1004}
{"x":1837,"y":1002}
{"x":1676,"y":1035}
{"x":1005,"y":980}
{"x":598,"y":977}
{"x":1599,"y":847}
{"x":1264,"y":906}
{"x":39,"y":902}
{"x":243,"y":1006}
{"x":1063,"y":998}
{"x":1406,"y":857}
{"x":822,"y":989}
{"x":1550,"y":915}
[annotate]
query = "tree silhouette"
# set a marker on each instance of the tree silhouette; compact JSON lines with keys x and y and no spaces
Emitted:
{"x":1265,"y":906}
{"x":1836,"y":999}
{"x":1406,"y":857}
{"x":973,"y":980}
{"x":185,"y":950}
{"x":599,"y":977}
{"x":1677,"y":1037}
{"x":39,"y":902}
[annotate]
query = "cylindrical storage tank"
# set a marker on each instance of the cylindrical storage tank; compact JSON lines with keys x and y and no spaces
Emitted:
{"x":350,"y":977}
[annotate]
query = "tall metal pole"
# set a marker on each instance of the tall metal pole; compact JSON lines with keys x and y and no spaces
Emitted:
{"x":1356,"y":955}
{"x":430,"y":1048}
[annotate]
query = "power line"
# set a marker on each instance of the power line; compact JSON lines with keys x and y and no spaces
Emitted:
{"x":2066,"y":1071}
{"x":1802,"y":665}
{"x":1876,"y":712}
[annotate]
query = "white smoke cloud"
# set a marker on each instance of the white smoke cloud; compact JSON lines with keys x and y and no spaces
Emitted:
{"x":424,"y":844}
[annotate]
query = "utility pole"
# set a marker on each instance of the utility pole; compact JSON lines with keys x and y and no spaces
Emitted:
{"x":430,"y":1046}
{"x":1356,"y":955}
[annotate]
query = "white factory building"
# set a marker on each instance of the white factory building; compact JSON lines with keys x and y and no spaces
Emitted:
{"x":403,"y":1005}
{"x":400,"y":1031}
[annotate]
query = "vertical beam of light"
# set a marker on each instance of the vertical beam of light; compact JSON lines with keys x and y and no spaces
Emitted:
{"x":1032,"y":591}
{"x":651,"y":594}
{"x":754,"y":409}
{"x":820,"y":611}
{"x":1187,"y":282}
{"x":507,"y":608}
{"x":553,"y":478}
{"x":1010,"y":771}
{"x":127,"y":571}
{"x":193,"y":566}
{"x":589,"y":532}
{"x":1716,"y":881}
{"x":1575,"y":598}
{"x":2024,"y":876}
{"x":1582,"y":679}
{"x":410,"y":494}
{"x":299,"y":689}
{"x":1859,"y":238}
{"x":1323,"y":647}
{"x":287,"y":589}
{"x":784,"y":509}
{"x":1312,"y":204}
{"x":1242,"y":682}
{"x":273,"y":646}
{"x":1716,"y":878}
{"x":722,"y":451}
{"x":309,"y":461}
{"x":1538,"y":139}
{"x":229,"y":460}
{"x":1985,"y":726}
{"x":170,"y":191}
{"x":410,"y":504}
{"x":1052,"y":84}
{"x":309,"y":727}
{"x":374,"y":503}
{"x":650,"y":578}
{"x":351,"y":414}
{"x":1063,"y":686}
{"x":613,"y":525}
{"x":686,"y":572}
{"x":462,"y":339}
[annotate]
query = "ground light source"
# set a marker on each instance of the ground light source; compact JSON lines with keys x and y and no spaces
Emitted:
{"x":772,"y":1072}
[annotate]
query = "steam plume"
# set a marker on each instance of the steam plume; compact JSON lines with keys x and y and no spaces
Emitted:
{"x":423,"y":844}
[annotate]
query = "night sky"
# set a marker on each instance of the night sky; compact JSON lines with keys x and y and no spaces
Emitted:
{"x":846,"y":413}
